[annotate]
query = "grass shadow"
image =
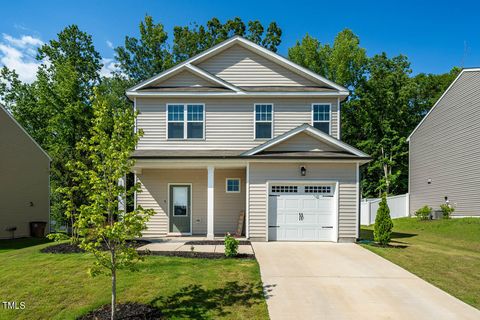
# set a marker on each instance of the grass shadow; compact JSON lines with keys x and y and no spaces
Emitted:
{"x":367,"y":234}
{"x":196,"y":302}
{"x":20,"y":243}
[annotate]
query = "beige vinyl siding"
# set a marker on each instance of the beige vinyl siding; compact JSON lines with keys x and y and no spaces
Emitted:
{"x":242,"y":67}
{"x":183,"y":79}
{"x":345,"y":173}
{"x":446,"y":149}
{"x":229,"y":123}
{"x":227,"y":206}
{"x":154,"y":195}
{"x":24,"y":178}
{"x":303,"y":142}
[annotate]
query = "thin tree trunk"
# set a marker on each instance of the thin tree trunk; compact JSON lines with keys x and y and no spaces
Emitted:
{"x":114,"y":286}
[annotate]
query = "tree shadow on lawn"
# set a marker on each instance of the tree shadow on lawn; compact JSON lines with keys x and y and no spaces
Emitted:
{"x":366,"y":234}
{"x":195,"y":302}
{"x":20,"y":243}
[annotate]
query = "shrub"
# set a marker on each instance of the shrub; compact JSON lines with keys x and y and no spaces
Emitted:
{"x":447,"y":210}
{"x":424,"y":213}
{"x":231,"y":246}
{"x":382,"y":231}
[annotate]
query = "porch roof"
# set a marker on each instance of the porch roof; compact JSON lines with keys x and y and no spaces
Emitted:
{"x":238,"y":154}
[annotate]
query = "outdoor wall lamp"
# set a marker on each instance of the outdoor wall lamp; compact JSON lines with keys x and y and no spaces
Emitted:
{"x":303,"y":171}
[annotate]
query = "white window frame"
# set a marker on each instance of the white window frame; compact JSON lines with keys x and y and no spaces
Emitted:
{"x":239,"y":185}
{"x":185,"y":120}
{"x":323,"y":121}
{"x":255,"y":120}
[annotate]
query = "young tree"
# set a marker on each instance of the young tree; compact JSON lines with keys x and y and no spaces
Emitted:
{"x":382,"y":230}
{"x":101,"y":223}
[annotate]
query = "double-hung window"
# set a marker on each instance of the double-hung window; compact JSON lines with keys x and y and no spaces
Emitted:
{"x":263,"y":121}
{"x":185,"y":121}
{"x":321,"y":116}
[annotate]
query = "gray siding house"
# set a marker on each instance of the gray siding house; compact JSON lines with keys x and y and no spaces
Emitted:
{"x":239,"y":135}
{"x":445,"y":150}
{"x":24,"y":179}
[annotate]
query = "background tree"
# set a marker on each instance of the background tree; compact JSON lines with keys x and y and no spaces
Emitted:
{"x":100,"y":222}
{"x":382,"y":230}
{"x":55,"y":109}
{"x":143,"y":58}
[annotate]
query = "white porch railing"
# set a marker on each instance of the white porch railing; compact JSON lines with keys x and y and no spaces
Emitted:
{"x":398,"y":208}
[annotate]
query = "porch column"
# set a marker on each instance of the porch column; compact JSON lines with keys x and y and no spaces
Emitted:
{"x":210,"y":199}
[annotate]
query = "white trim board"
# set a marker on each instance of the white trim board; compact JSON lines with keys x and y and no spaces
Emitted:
{"x":249,"y":45}
{"x":305,"y":128}
{"x":441,"y":97}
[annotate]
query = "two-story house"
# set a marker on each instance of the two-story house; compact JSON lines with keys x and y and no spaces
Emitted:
{"x":239,"y":131}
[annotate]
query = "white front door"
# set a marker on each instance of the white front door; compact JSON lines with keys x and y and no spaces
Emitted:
{"x":300,"y":212}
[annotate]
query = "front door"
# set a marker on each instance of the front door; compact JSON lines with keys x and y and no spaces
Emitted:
{"x":180,"y":209}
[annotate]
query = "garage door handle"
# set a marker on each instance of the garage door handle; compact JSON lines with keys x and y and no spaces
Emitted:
{"x":300,"y":216}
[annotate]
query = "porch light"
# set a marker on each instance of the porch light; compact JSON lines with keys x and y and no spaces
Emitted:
{"x":303,"y":171}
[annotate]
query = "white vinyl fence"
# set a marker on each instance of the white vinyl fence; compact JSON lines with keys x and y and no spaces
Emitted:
{"x":398,"y":208}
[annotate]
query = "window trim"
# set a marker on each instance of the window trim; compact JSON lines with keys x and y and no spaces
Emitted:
{"x":255,"y":121}
{"x":185,"y":120}
{"x":312,"y":122}
{"x":239,"y":185}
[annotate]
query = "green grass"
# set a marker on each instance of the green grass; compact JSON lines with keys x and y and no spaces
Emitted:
{"x":445,"y":253}
{"x":56,"y":286}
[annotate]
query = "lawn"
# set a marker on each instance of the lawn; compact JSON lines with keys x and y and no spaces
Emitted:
{"x":446,"y":253}
{"x":55,"y":286}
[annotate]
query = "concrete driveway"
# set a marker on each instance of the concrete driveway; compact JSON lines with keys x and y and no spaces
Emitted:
{"x":346,"y":281}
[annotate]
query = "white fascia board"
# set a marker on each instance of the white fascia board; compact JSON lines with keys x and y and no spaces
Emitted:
{"x":440,"y":99}
{"x":208,"y":76}
{"x":188,"y":61}
{"x":132,"y":94}
{"x":306,"y":128}
{"x":291,"y":65}
{"x":25,"y":131}
{"x":263,"y":51}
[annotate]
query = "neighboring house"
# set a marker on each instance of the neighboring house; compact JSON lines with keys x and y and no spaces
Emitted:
{"x":238,"y":129}
{"x":24,"y":179}
{"x":445,"y":150}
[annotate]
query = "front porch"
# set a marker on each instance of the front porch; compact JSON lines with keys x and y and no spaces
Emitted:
{"x":192,"y":199}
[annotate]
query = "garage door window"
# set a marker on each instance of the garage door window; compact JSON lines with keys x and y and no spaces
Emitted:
{"x":284,"y":189}
{"x":318,"y":189}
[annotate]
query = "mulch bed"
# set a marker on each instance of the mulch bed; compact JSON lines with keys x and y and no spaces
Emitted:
{"x":72,"y":248}
{"x":212,"y":242}
{"x":194,"y":254}
{"x":129,"y":310}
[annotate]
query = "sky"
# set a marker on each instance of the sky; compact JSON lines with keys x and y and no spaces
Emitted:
{"x":434,"y":35}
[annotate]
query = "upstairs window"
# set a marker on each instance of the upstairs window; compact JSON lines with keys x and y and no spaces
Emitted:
{"x":321,"y":117}
{"x":185,"y":121}
{"x":263,"y":121}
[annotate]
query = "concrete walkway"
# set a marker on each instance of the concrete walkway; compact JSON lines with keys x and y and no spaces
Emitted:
{"x":179,"y":245}
{"x":346,"y":281}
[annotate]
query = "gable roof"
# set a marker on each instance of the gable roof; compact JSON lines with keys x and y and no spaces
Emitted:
{"x":190,"y":63}
{"x":441,"y":98}
{"x":314,"y":133}
{"x":4,"y":110}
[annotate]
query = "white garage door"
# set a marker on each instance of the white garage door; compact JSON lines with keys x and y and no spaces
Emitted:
{"x":301,"y":212}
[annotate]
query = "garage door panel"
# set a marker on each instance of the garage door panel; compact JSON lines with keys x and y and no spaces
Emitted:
{"x":302,"y":215}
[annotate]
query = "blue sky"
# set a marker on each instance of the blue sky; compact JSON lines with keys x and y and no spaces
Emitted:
{"x":435,"y":35}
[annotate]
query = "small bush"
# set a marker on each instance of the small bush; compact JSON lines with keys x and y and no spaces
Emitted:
{"x":424,"y":213}
{"x":382,"y":231}
{"x":447,"y":210}
{"x":231,"y":246}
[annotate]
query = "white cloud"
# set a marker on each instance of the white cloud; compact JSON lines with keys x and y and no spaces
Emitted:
{"x":110,"y":44}
{"x":19,"y":54}
{"x":109,"y":66}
